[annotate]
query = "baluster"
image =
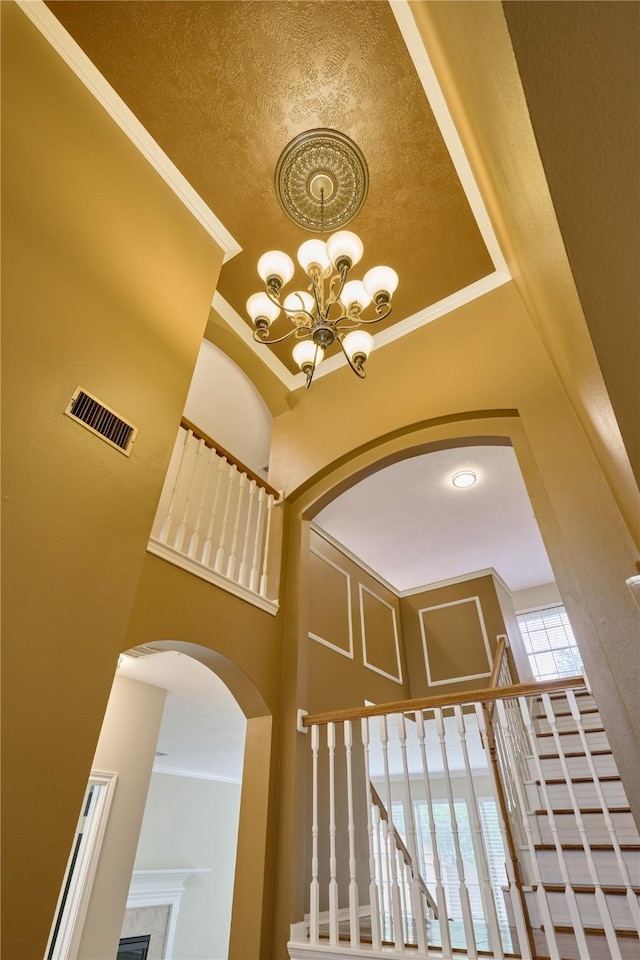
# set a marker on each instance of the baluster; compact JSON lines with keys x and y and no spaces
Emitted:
{"x":265,"y":559}
{"x":569,"y":892}
{"x":511,"y":863}
{"x":388,"y":912}
{"x":632,"y":898}
{"x":396,"y":908}
{"x":354,"y":925}
{"x":441,"y":899}
{"x":486,"y":891}
{"x":253,"y":577}
{"x":467,"y":920}
{"x":243,"y":563}
{"x":410,"y":823}
{"x":401,"y":871}
{"x":314,"y":893}
{"x":600,"y":898}
{"x":225,"y":519}
{"x":179,"y":540}
{"x":166,"y":523}
{"x":231,"y":562}
{"x":206,"y":550}
{"x":333,"y":867}
{"x":195,"y":536}
{"x":378,"y":837}
{"x":373,"y":887}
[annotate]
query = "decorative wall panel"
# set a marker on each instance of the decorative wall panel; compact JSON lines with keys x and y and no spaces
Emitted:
{"x":330,"y":605}
{"x":380,"y":644}
{"x":453,"y":634}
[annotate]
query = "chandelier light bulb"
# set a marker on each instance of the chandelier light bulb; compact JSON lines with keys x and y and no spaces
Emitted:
{"x":353,"y":294}
{"x":344,"y":247}
{"x":275,"y":265}
{"x":298,"y":301}
{"x":313,"y":253}
{"x":381,"y":283}
{"x":307,"y":355}
{"x":262,"y":310}
{"x":358,"y":345}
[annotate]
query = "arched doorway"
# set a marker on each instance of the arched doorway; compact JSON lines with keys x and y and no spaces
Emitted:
{"x":166,"y":857}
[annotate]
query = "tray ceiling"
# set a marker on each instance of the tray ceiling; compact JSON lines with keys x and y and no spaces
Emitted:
{"x":223,"y":86}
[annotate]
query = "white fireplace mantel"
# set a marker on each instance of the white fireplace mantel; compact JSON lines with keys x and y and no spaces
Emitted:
{"x":156,"y":888}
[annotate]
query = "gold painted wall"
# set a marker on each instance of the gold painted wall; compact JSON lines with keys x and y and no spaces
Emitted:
{"x":355,"y":644}
{"x":107,"y":281}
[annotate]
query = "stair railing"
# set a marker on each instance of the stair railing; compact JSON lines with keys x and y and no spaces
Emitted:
{"x":215,"y":518}
{"x":382,"y":905}
{"x":391,"y":844}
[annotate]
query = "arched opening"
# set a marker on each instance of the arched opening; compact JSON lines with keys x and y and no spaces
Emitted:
{"x":169,"y":854}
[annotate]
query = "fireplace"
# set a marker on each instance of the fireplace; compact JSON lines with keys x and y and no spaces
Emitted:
{"x":133,"y":948}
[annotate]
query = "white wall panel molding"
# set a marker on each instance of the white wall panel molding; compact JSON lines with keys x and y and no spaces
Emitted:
{"x":483,"y":630}
{"x":327,"y":643}
{"x":370,"y":666}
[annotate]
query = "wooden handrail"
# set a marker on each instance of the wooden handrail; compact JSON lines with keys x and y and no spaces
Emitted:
{"x":497,"y":662}
{"x":402,"y":847}
{"x":530,"y":689}
{"x":495,"y":672}
{"x":229,"y":457}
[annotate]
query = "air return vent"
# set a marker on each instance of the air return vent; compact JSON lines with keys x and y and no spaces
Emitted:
{"x":98,"y":418}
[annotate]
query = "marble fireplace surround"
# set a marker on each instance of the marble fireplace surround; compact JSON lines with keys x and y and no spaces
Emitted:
{"x":154,"y":902}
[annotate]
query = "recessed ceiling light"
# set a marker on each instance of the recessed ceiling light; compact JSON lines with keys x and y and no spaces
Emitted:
{"x":464,"y":478}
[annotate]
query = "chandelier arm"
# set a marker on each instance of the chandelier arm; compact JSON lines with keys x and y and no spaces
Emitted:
{"x":318,"y":296}
{"x":311,"y":372}
{"x":358,"y":369}
{"x":292,"y":333}
{"x":342,"y":277}
{"x":384,"y":312}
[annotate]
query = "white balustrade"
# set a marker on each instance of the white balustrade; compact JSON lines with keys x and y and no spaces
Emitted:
{"x":215,"y":518}
{"x":411,"y":868}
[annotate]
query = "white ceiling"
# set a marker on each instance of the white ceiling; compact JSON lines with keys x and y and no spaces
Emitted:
{"x":412,"y":527}
{"x":203,"y":728}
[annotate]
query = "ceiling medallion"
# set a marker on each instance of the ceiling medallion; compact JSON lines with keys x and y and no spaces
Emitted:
{"x":321,"y":180}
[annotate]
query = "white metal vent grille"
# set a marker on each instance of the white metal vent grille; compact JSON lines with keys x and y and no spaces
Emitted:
{"x":101,"y":420}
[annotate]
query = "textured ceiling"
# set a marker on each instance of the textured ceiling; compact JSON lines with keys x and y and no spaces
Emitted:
{"x":223,"y":86}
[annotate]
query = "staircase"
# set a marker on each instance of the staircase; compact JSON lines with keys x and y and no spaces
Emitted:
{"x":586,"y":847}
{"x":571,"y":848}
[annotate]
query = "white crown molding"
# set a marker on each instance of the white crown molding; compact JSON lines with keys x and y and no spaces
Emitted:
{"x":487,"y":572}
{"x":351,"y":556}
{"x":72,"y":54}
{"x":243,"y":330}
{"x":394,"y":332}
{"x":195,"y":774}
{"x":165,"y":552}
{"x":414,"y":591}
{"x":418,"y":53}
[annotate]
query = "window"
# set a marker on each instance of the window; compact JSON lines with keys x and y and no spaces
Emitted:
{"x":550,"y":643}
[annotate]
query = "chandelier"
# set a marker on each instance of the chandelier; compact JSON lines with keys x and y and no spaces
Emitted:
{"x":321,"y":184}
